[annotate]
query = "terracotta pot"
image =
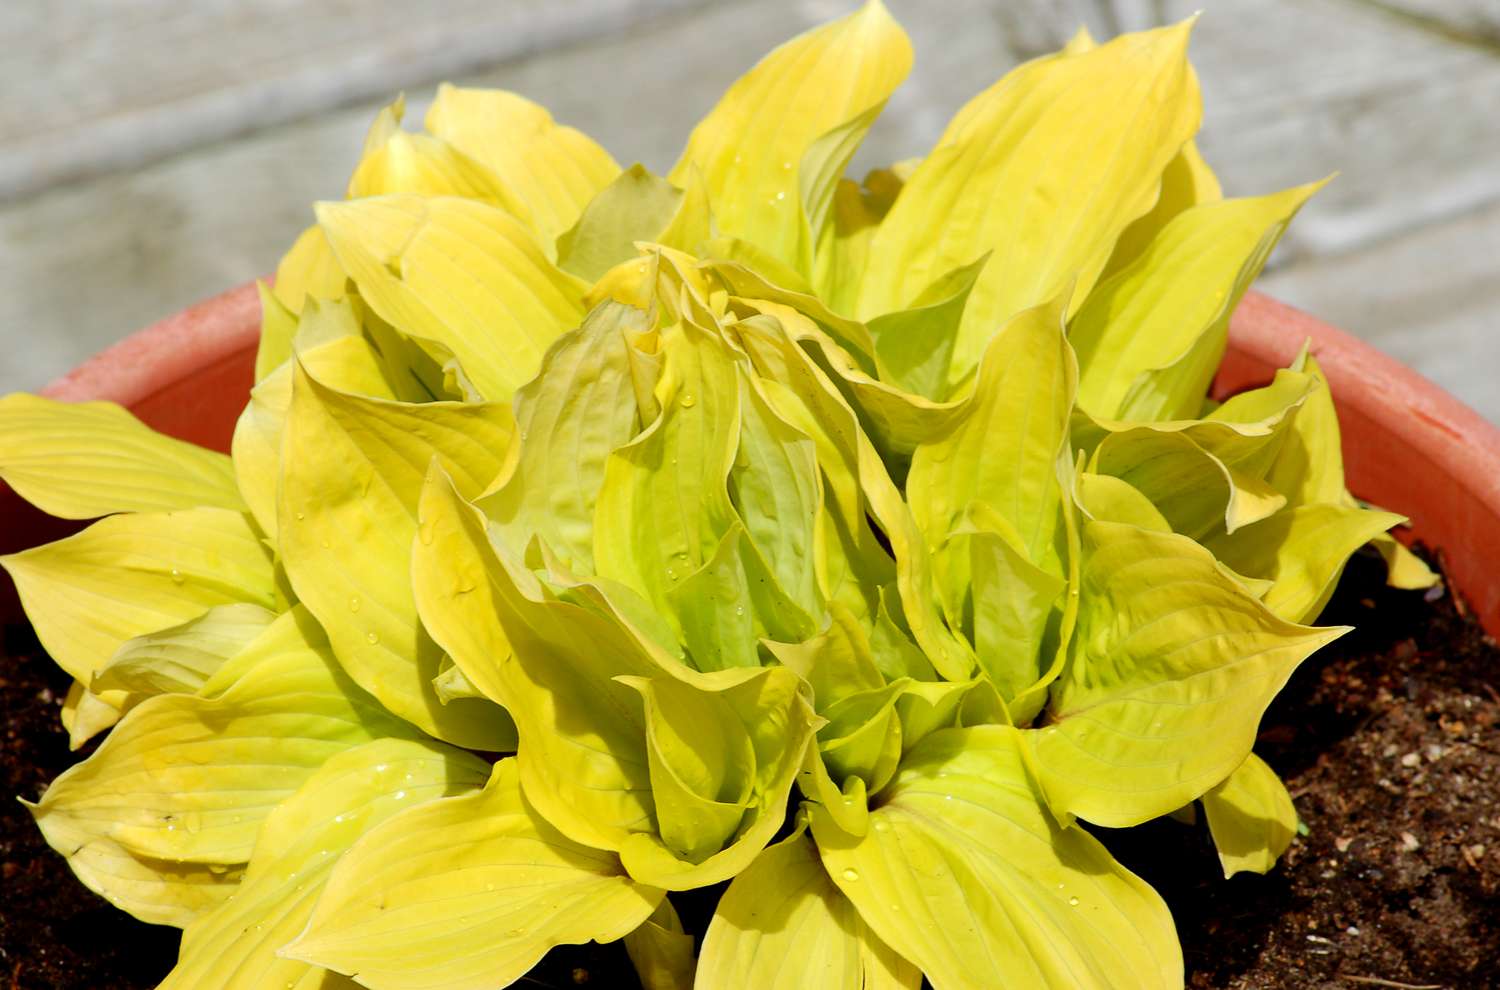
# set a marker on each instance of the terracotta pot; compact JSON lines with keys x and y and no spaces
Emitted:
{"x":1408,"y":446}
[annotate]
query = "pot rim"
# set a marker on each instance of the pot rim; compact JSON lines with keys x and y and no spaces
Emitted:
{"x":1409,"y":446}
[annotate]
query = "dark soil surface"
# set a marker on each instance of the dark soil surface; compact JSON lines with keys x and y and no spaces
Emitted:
{"x":1389,"y":741}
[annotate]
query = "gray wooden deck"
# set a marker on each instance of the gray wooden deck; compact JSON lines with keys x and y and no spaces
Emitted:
{"x":156,"y":152}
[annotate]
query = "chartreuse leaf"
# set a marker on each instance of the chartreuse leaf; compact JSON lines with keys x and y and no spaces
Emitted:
{"x":1044,"y":169}
{"x":1150,"y":338}
{"x":852,"y":565}
{"x":1172,"y":666}
{"x":129,"y":575}
{"x":86,"y":713}
{"x":331,"y":346}
{"x":352,"y":473}
{"x":234,"y":947}
{"x":1003,"y":451}
{"x":637,"y":206}
{"x":460,"y":272}
{"x":1187,"y":181}
{"x":553,"y":664}
{"x":663,"y":505}
{"x":88,"y":459}
{"x":778,"y":493}
{"x":1251,"y":817}
{"x":966,"y":874}
{"x":836,"y":663}
{"x":467,"y":891}
{"x":895,"y":419}
{"x":1302,"y":552}
{"x":1012,"y":602}
{"x":863,"y":483}
{"x":1309,"y":468}
{"x":393,"y":161}
{"x":156,"y":891}
{"x":769,"y":709}
{"x":702,"y":766}
{"x":1196,"y":492}
{"x":570,"y":418}
{"x":661,"y":951}
{"x":784,"y":925}
{"x":308,"y":270}
{"x":278,"y":325}
{"x":189,"y":778}
{"x":731,"y":603}
{"x":768,"y":173}
{"x":180,"y":660}
{"x":549,"y":172}
{"x":915,"y":345}
{"x":844,"y":246}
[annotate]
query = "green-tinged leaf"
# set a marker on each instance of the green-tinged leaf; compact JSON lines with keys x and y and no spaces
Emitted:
{"x":353,"y":469}
{"x":1302,"y":551}
{"x":896,"y":420}
{"x":1187,"y":181}
{"x":190,"y":778}
{"x":180,"y":660}
{"x":777,"y":490}
{"x":466,"y":892}
{"x":730,"y":604}
{"x":965,"y":873}
{"x":852,"y":564}
{"x":234,"y":947}
{"x":1045,"y":169}
{"x":88,"y":459}
{"x":1251,"y":817}
{"x":754,"y":289}
{"x":637,"y":206}
{"x":553,"y":664}
{"x":770,"y":707}
{"x":863,"y":736}
{"x":1110,"y":499}
{"x":549,"y":172}
{"x":459,"y":272}
{"x":1172,"y":666}
{"x":1003,"y":451}
{"x":836,"y":663}
{"x":661,"y":951}
{"x":663,"y":505}
{"x":844,"y":247}
{"x":1012,"y":602}
{"x":759,"y":149}
{"x":702,"y":766}
{"x":1150,"y":339}
{"x":569,"y":419}
{"x":915,"y":345}
{"x":784,"y":925}
{"x":1195,"y":491}
{"x":129,"y":575}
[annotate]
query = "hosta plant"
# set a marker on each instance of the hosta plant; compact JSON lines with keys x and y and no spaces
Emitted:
{"x":593,"y":536}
